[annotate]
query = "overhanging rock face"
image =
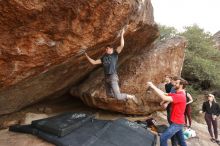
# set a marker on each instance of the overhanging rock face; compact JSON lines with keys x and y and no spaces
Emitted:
{"x":164,"y":58}
{"x":41,"y":41}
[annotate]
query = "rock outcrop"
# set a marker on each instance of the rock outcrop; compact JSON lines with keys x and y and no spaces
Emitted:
{"x":216,"y":38}
{"x":41,"y":43}
{"x":164,"y":58}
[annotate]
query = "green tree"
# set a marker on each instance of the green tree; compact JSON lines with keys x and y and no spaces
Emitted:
{"x":202,"y":60}
{"x":167,"y":32}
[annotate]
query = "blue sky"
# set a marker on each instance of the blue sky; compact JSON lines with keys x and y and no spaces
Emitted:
{"x":180,"y":13}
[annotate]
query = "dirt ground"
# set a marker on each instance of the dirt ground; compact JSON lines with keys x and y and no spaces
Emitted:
{"x":66,"y":104}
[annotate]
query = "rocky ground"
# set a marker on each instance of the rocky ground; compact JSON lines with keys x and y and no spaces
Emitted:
{"x":49,"y":108}
{"x":202,"y":138}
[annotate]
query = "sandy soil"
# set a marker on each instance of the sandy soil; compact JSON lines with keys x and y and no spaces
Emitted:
{"x":53,"y":107}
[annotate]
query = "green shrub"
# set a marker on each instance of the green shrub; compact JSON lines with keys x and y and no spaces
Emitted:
{"x":202,"y":59}
{"x":167,"y":32}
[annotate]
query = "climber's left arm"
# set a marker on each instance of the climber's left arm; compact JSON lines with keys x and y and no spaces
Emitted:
{"x":119,"y":48}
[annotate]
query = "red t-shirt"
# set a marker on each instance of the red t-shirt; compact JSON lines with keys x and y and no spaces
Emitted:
{"x":178,"y":107}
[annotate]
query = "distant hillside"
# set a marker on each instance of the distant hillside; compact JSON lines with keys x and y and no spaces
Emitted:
{"x":216,"y":38}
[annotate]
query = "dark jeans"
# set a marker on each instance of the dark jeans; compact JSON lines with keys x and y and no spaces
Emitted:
{"x":188,"y":115}
{"x":168,"y":113}
{"x":174,"y":139}
{"x":174,"y":129}
{"x":211,"y":123}
{"x":112,"y":87}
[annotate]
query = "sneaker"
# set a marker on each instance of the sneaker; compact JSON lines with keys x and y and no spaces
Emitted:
{"x":133,"y":98}
{"x":212,"y":140}
{"x":217,"y":141}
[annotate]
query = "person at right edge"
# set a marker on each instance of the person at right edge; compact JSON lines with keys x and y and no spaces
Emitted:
{"x":212,"y":111}
{"x":178,"y":100}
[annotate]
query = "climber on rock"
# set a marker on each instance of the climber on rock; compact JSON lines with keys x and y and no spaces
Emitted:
{"x":109,"y":64}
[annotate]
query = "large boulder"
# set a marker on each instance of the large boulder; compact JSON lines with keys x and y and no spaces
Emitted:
{"x":150,"y":64}
{"x":41,"y":43}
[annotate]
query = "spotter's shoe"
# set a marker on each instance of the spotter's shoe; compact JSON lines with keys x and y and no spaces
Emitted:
{"x":132,"y":97}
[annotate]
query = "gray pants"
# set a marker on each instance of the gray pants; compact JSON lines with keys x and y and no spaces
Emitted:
{"x":112,"y":87}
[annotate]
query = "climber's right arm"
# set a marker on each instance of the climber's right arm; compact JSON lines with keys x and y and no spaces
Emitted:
{"x":92,"y":61}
